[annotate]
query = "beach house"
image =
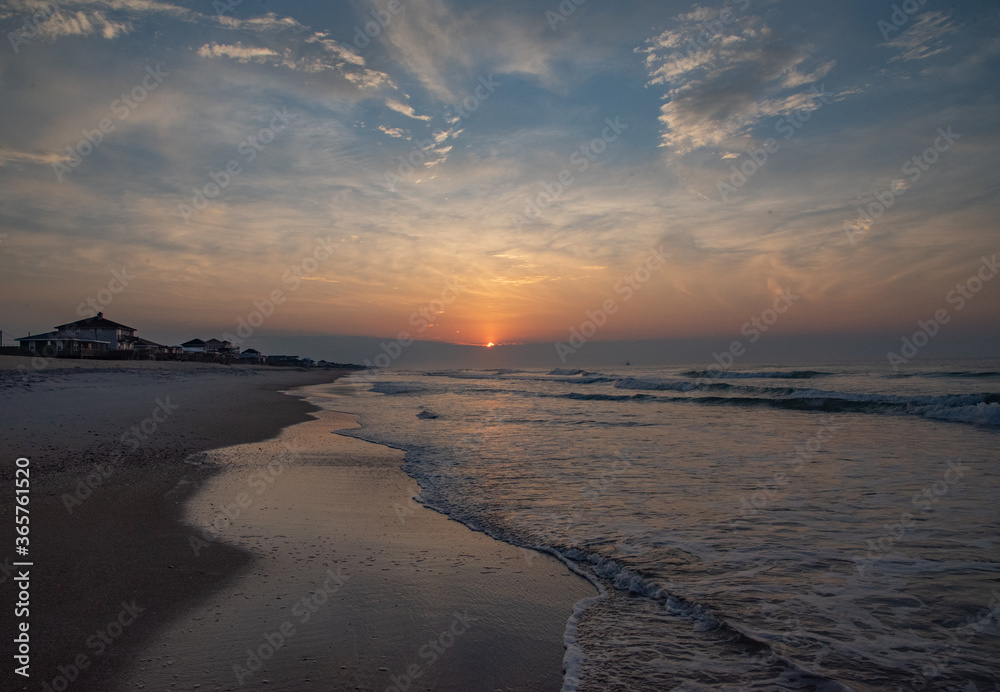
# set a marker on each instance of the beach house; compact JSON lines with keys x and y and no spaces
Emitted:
{"x":64,"y":344}
{"x":119,"y":337}
{"x":92,"y":337}
{"x":252,"y":356}
{"x":194,"y":346}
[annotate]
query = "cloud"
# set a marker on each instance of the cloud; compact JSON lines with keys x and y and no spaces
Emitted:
{"x":405,"y":109}
{"x":303,"y":56}
{"x":342,"y":53}
{"x":237,"y":52}
{"x":396,"y":132}
{"x":265,"y":23}
{"x":723,"y":82}
{"x":112,"y":18}
{"x":8,"y":156}
{"x":448,"y":47}
{"x":924,"y":39}
{"x":82,"y":23}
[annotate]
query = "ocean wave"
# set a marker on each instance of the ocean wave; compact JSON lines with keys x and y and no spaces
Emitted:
{"x":702,"y":617}
{"x":979,"y":409}
{"x":770,"y":374}
{"x":395,"y":388}
{"x":984,"y":414}
{"x":474,"y":374}
{"x":975,"y":409}
{"x":658,"y":384}
{"x":590,"y":396}
{"x":946,"y":374}
{"x":565,"y":372}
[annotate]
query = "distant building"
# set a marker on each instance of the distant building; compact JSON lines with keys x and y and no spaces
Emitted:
{"x":194,"y":346}
{"x":150,"y":350}
{"x":282,"y":360}
{"x":252,"y":356}
{"x":64,"y":344}
{"x":118,"y":336}
{"x":221,"y":347}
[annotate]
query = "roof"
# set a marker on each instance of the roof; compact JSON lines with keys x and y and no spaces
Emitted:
{"x":59,"y":335}
{"x":194,"y":342}
{"x":251,"y":352}
{"x":99,"y":321}
{"x":139,"y":341}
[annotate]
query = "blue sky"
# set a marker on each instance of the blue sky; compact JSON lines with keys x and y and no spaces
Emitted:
{"x":532,"y":155}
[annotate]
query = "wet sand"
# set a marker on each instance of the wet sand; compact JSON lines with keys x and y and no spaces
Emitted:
{"x":305,"y":566}
{"x":356,"y":587}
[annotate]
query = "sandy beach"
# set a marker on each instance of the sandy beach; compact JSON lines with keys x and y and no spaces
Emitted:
{"x":150,"y":572}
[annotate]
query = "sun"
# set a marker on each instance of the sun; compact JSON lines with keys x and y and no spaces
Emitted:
{"x":490,"y":345}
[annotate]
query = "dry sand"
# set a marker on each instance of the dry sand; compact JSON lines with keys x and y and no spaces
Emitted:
{"x":322,"y":527}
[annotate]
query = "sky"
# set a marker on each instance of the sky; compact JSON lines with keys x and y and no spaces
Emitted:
{"x":328,"y":177}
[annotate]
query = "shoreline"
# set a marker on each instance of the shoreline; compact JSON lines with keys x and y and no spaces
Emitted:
{"x":123,"y":553}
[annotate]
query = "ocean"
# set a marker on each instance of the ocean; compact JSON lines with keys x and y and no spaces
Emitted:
{"x":832,"y":527}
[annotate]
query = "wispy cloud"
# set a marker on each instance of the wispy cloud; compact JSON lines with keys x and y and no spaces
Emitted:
{"x":924,"y":39}
{"x":8,"y":156}
{"x":316,"y":53}
{"x":112,"y":18}
{"x":405,"y":109}
{"x":339,"y":51}
{"x":238,"y":52}
{"x":720,"y":86}
{"x":396,"y":132}
{"x":81,"y":23}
